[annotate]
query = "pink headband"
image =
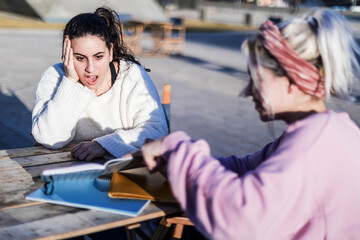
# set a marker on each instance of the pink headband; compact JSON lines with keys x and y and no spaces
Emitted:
{"x":304,"y":74}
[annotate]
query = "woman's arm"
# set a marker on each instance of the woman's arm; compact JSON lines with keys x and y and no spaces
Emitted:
{"x":262,"y":203}
{"x":249,"y":162}
{"x":141,"y":109}
{"x":58,"y":106}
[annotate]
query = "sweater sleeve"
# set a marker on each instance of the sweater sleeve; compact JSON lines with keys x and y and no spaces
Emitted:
{"x":222,"y":205}
{"x":143,"y":113}
{"x":58,"y":106}
{"x":249,"y":162}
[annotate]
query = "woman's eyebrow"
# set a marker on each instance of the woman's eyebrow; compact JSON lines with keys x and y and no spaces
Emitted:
{"x":99,"y":53}
{"x":85,"y":56}
{"x":79,"y":54}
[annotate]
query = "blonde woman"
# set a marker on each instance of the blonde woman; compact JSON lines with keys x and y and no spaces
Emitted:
{"x":305,"y":184}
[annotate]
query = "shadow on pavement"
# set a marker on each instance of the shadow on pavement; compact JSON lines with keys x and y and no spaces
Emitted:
{"x":229,"y":40}
{"x":15,"y":122}
{"x":242,"y":75}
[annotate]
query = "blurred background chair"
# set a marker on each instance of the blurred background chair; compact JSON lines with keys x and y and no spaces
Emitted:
{"x":133,"y":34}
{"x":166,"y":103}
{"x":177,"y":223}
{"x":172,"y":37}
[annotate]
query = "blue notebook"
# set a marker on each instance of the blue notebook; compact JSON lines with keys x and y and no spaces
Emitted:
{"x":89,"y":194}
{"x":81,"y":186}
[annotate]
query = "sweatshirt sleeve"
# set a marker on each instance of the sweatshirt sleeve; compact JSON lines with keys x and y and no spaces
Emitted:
{"x":142,"y":110}
{"x":223,"y":205}
{"x":58,"y":106}
{"x":249,"y":162}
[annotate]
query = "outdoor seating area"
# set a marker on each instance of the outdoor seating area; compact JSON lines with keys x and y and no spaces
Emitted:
{"x":191,"y":150}
{"x":166,"y":37}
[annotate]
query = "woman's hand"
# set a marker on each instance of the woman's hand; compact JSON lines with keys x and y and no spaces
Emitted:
{"x":151,"y":153}
{"x":68,"y":60}
{"x":153,"y":157}
{"x":88,"y":151}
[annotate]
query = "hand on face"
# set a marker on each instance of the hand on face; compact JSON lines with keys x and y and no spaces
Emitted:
{"x":88,"y":151}
{"x":68,"y":60}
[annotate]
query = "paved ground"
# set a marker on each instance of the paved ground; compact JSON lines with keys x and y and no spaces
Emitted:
{"x":206,"y":81}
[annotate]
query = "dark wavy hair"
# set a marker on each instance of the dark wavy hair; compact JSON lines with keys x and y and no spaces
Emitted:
{"x":104,"y":23}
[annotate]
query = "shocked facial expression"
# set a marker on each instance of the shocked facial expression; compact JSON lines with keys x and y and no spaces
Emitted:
{"x":91,"y":61}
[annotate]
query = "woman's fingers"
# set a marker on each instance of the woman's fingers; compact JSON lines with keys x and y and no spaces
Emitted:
{"x":75,"y":149}
{"x":71,"y":58}
{"x":151,"y":153}
{"x":88,"y":151}
{"x":82,"y":155}
{"x":64,"y":48}
{"x":78,"y":151}
{"x":66,"y":53}
{"x":68,"y":60}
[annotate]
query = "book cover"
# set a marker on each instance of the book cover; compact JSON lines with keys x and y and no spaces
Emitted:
{"x":86,"y":171}
{"x":89,"y":194}
{"x":81,"y":186}
{"x":140,"y":184}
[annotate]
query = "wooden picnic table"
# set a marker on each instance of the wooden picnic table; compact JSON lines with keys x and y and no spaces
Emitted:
{"x":20,"y":171}
{"x":162,"y":41}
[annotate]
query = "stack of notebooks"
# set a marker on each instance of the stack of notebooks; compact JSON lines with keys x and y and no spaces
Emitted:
{"x":103,"y":187}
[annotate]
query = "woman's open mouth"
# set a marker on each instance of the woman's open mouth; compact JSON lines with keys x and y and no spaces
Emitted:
{"x":91,"y":80}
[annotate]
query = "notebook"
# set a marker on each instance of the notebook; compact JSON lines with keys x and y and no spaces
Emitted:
{"x":140,"y":184}
{"x":81,"y":186}
{"x":89,"y":194}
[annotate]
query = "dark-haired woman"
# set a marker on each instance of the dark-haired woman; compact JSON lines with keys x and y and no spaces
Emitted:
{"x":99,"y":95}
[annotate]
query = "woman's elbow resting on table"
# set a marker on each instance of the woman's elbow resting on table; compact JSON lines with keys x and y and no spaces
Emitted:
{"x":52,"y":145}
{"x":49,"y":139}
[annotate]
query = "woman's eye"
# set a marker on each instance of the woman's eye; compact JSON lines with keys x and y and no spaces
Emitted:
{"x":79,"y":59}
{"x":99,"y":57}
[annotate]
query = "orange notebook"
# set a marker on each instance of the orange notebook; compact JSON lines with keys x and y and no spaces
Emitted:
{"x":140,"y":184}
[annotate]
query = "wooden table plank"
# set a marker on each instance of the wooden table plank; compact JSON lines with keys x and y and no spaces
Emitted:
{"x":38,"y":221}
{"x":32,"y":151}
{"x":14,"y":181}
{"x":43,"y":159}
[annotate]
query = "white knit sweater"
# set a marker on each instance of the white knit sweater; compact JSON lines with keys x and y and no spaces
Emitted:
{"x":119,"y":120}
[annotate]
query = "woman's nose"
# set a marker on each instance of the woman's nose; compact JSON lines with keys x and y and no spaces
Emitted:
{"x":89,"y":67}
{"x":248,"y":90}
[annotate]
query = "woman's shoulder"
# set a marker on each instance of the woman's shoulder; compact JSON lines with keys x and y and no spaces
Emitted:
{"x":131,"y":70}
{"x":320,"y":127}
{"x":327,"y":119}
{"x":313,"y":122}
{"x":55,"y":70}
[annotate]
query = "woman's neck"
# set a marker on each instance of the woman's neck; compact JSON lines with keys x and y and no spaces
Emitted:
{"x":302,"y":111}
{"x":107,"y":84}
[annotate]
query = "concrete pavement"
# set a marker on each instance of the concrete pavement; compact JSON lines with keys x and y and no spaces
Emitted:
{"x":206,"y":81}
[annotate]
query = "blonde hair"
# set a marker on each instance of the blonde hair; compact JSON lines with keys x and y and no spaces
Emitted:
{"x":323,"y":38}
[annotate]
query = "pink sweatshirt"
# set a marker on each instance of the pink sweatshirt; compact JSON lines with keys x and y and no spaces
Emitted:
{"x":305,"y":185}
